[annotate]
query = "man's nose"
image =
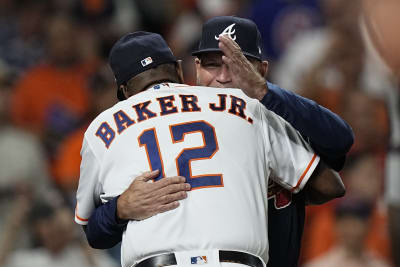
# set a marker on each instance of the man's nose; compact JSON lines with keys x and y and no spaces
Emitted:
{"x":224,"y":75}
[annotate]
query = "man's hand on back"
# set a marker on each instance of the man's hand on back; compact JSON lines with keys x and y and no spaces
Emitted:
{"x":144,"y":199}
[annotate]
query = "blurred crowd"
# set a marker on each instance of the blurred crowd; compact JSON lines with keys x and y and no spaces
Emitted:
{"x":54,"y":79}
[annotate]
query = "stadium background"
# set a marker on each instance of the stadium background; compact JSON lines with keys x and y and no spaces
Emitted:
{"x":54,"y":80}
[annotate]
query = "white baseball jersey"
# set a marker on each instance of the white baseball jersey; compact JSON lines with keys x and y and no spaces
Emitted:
{"x":227,"y":146}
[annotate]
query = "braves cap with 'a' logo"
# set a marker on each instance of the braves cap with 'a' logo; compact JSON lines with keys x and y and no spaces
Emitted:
{"x":135,"y":53}
{"x":243,"y":31}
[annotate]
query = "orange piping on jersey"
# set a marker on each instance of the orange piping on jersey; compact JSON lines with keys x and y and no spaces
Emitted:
{"x":76,"y":215}
{"x":304,"y":173}
{"x":209,"y":186}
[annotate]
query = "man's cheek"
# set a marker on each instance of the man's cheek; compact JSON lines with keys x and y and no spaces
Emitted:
{"x":204,"y":78}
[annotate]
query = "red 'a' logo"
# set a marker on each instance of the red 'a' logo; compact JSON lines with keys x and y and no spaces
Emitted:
{"x":282,"y":197}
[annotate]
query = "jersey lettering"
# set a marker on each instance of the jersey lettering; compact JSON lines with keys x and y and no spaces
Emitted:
{"x":189,"y":103}
{"x":106,"y":134}
{"x":237,"y":107}
{"x":148,"y":139}
{"x":222,"y":103}
{"x":143,"y":112}
{"x":122,"y":121}
{"x":167,"y":105}
{"x":207,"y":151}
{"x":282,"y":197}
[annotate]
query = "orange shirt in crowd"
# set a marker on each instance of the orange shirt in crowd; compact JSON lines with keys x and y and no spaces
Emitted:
{"x":319,"y":232}
{"x":68,"y":160}
{"x":47,"y":95}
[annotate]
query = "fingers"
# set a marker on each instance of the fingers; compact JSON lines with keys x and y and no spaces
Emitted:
{"x":169,"y":206}
{"x":168,"y":181}
{"x":147,"y":176}
{"x":172,"y":197}
{"x":228,"y":46}
{"x":233,"y":56}
{"x":226,"y":60}
{"x":143,"y":200}
{"x":173,"y":188}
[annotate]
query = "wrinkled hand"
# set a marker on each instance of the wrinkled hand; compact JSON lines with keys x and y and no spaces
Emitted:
{"x":143,"y":199}
{"x":244,"y":74}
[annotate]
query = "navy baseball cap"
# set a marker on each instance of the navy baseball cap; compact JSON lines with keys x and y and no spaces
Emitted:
{"x":243,"y":31}
{"x":135,"y":53}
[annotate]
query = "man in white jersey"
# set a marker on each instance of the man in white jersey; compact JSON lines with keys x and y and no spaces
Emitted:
{"x":225,"y":144}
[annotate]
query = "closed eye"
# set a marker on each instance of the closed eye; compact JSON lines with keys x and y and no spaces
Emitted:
{"x":211,"y":64}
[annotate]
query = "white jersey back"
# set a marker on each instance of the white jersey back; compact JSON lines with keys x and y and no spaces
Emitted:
{"x":226,"y":145}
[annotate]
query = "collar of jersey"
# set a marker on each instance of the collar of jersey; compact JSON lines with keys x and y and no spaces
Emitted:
{"x":165,"y":85}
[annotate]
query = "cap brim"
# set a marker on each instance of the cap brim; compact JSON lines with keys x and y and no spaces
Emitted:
{"x":194,"y":53}
{"x":202,"y":51}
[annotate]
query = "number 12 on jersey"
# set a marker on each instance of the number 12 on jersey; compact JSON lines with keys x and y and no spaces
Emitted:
{"x":149,"y":140}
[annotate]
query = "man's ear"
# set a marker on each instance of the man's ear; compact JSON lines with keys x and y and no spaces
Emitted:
{"x":264,"y":68}
{"x":197,"y":63}
{"x":124,"y":89}
{"x":179,"y":70}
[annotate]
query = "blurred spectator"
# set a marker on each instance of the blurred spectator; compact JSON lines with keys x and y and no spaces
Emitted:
{"x":67,"y":160}
{"x":323,"y":53}
{"x":57,"y":242}
{"x":106,"y":19}
{"x":165,"y":13}
{"x":280,"y":21}
{"x":21,"y":156}
{"x":214,"y":8}
{"x":368,"y":117}
{"x":52,"y":98}
{"x":126,"y":18}
{"x":21,"y":33}
{"x":323,"y":66}
{"x":381,"y":23}
{"x":16,"y":216}
{"x":352,"y":224}
{"x":94,"y":11}
{"x":23,"y":174}
{"x":363,"y":177}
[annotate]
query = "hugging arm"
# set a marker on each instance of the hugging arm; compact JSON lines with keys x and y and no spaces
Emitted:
{"x":141,"y":200}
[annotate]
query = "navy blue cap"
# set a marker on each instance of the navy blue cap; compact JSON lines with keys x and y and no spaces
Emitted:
{"x":243,"y":31}
{"x":135,"y":53}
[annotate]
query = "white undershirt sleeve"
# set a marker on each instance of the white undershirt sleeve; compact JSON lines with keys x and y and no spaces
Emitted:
{"x":87,"y":195}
